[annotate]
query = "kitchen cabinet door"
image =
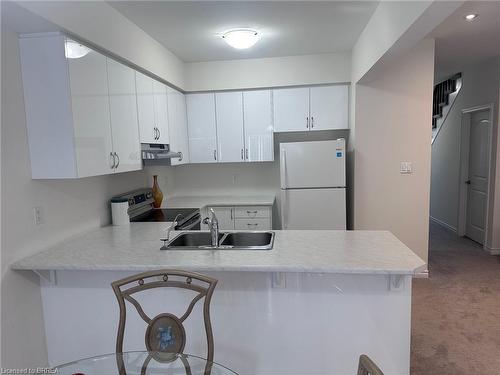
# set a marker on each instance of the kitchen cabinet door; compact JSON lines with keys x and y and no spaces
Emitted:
{"x":329,"y":107}
{"x":225,"y":217}
{"x":229,"y":114}
{"x":257,"y":119}
{"x":91,"y":117}
{"x":201,"y":128}
{"x":123,"y":111}
{"x":160,"y":111}
{"x":146,"y":108}
{"x":177,"y":125}
{"x":291,"y":109}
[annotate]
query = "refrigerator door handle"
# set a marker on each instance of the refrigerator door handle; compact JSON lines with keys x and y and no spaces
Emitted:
{"x":283,"y":169}
{"x":284,"y":202}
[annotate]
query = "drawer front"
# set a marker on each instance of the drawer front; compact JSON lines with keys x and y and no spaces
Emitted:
{"x":252,"y":212}
{"x":252,"y":224}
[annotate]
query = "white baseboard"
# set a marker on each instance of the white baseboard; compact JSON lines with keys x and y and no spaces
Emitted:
{"x":445,"y":225}
{"x":422,"y":275}
{"x":492,"y":250}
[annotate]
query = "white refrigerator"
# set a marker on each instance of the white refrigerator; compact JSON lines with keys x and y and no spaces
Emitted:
{"x":313,"y":185}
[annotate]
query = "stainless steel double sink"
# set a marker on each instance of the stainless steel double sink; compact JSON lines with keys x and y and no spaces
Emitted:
{"x":227,"y":241}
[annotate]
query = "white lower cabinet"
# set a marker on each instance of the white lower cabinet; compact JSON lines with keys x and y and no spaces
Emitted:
{"x":242,"y":217}
{"x":224,"y":216}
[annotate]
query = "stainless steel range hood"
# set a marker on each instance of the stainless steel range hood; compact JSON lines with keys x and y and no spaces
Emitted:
{"x":158,"y":154}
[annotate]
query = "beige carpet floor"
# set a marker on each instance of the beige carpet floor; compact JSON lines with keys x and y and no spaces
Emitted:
{"x":456,"y":312}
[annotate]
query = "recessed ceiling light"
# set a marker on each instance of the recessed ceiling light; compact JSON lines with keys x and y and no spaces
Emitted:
{"x":470,"y":17}
{"x":75,"y":50}
{"x":241,"y":38}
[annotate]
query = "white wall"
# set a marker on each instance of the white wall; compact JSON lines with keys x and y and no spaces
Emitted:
{"x":269,"y":72}
{"x":102,"y":25}
{"x":68,"y":207}
{"x":393,"y":30}
{"x":479,"y":87}
{"x":392,"y":125}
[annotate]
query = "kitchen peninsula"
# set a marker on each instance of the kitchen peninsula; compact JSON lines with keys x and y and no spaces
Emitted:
{"x":310,"y":305}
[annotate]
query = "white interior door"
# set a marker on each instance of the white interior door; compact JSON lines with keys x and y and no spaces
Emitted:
{"x":257,"y":119}
{"x":313,"y":209}
{"x":123,"y":110}
{"x":177,"y":125}
{"x":329,"y":107}
{"x":145,"y":108}
{"x":230,"y":140}
{"x":477,"y":195}
{"x":161,"y":111}
{"x":291,"y":109}
{"x":91,"y":120}
{"x":201,"y":128}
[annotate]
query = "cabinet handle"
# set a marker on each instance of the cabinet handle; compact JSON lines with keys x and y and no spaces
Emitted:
{"x":215,"y":154}
{"x":159,"y":133}
{"x":117,"y":164}
{"x":154,"y":133}
{"x":242,"y":158}
{"x":251,"y":212}
{"x":180,"y":155}
{"x":231,"y":210}
{"x":312,"y":122}
{"x":246,"y":153}
{"x":111,"y":156}
{"x":307,"y":122}
{"x":252,"y":225}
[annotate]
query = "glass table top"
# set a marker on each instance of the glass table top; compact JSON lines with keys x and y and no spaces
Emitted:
{"x":136,"y":363}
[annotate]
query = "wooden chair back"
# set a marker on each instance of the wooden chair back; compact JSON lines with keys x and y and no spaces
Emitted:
{"x":165,"y":332}
{"x":368,"y":367}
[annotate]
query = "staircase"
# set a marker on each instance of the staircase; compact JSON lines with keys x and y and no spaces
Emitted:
{"x":444,"y":95}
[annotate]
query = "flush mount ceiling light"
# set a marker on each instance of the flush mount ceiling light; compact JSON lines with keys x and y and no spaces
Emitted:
{"x":241,"y":38}
{"x":74,"y":50}
{"x":470,"y":17}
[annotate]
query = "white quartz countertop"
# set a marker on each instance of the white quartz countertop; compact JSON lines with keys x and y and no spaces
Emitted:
{"x":137,"y":248}
{"x":201,"y":201}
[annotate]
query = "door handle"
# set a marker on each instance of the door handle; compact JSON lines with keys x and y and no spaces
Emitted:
{"x":283,"y":169}
{"x":117,"y":164}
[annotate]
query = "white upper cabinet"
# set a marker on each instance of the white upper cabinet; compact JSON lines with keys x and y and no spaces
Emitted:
{"x":146,"y":108}
{"x":329,"y":107}
{"x":152,"y":109}
{"x":291,"y":109}
{"x":230,"y":139}
{"x":258,"y":125}
{"x":91,"y":125}
{"x":201,"y":128}
{"x":123,"y":110}
{"x":177,"y":122}
{"x":160,"y":111}
{"x":314,"y":108}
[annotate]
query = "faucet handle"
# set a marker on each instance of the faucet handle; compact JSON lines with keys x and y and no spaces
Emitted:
{"x":206,"y":221}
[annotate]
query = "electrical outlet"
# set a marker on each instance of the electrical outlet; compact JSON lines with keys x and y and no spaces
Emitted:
{"x":405,"y":167}
{"x":37,"y":215}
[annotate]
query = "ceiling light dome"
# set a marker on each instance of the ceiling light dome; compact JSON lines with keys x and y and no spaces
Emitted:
{"x":241,"y":38}
{"x":75,"y":50}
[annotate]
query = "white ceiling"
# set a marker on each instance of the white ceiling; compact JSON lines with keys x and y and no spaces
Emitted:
{"x":191,"y":29}
{"x":460,"y":43}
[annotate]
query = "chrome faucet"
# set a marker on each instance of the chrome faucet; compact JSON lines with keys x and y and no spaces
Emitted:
{"x":213,"y":225}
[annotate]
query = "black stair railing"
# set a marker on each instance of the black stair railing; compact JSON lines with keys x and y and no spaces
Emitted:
{"x":441,"y":96}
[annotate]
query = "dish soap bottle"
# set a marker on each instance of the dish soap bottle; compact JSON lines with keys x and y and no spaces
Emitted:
{"x":157,"y":193}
